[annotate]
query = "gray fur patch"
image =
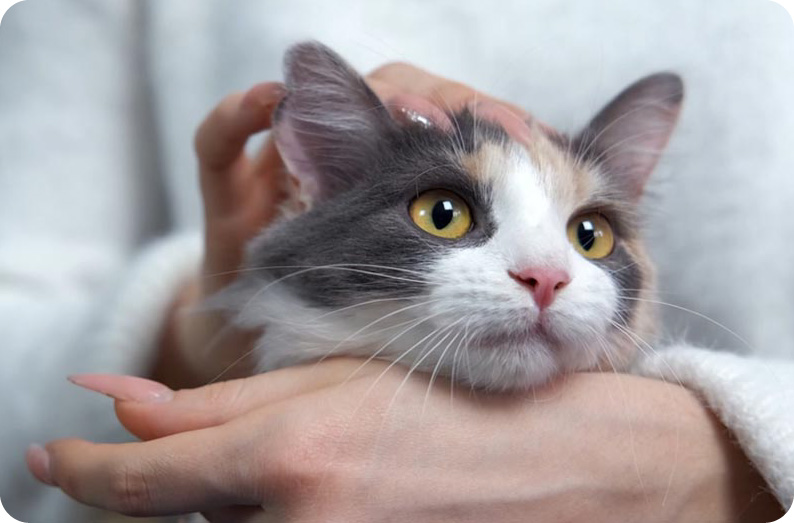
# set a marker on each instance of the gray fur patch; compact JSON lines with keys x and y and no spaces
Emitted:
{"x":361,"y":243}
{"x":626,"y":272}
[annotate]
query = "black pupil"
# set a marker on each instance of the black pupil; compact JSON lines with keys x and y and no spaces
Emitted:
{"x":443,"y":212}
{"x":586,"y":234}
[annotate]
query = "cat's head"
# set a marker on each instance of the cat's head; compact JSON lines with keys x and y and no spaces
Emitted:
{"x":457,"y":250}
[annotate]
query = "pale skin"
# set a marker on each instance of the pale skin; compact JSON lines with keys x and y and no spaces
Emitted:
{"x":352,"y":442}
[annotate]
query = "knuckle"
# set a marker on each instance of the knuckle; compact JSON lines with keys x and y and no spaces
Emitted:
{"x":130,"y":491}
{"x":308,"y":458}
{"x":223,"y":396}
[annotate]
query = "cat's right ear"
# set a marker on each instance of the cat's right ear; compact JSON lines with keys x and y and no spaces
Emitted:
{"x":627,"y":137}
{"x":329,"y":124}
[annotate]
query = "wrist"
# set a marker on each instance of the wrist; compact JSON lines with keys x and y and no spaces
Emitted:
{"x":746,"y":494}
{"x":718,"y":481}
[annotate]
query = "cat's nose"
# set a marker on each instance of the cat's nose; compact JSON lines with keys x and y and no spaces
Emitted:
{"x":543,"y":282}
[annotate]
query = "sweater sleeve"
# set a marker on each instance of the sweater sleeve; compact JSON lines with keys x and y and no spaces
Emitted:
{"x":753,"y":397}
{"x":88,"y":267}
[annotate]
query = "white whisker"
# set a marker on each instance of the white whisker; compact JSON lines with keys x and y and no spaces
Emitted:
{"x":696,"y":313}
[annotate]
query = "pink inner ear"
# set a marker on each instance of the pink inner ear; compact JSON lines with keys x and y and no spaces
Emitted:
{"x":630,"y":133}
{"x":635,"y":147}
{"x":297,"y":163}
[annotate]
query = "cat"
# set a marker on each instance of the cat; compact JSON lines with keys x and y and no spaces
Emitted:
{"x":454,"y":250}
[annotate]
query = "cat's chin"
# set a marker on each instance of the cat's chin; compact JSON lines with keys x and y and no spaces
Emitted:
{"x":509,"y":369}
{"x":519,"y":360}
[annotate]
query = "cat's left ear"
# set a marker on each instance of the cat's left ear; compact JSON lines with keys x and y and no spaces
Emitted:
{"x":627,"y":137}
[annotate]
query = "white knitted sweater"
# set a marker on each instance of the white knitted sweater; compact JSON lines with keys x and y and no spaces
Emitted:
{"x":99,"y":208}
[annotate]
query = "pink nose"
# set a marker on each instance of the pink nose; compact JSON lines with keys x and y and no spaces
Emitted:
{"x":544,"y":283}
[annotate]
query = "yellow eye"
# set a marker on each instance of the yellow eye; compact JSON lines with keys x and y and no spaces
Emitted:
{"x":441,"y":213}
{"x":591,"y":235}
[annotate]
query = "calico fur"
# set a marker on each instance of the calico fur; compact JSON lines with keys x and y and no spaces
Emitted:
{"x":353,"y":275}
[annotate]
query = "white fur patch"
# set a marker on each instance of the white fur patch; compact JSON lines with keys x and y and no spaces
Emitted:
{"x":531,"y":232}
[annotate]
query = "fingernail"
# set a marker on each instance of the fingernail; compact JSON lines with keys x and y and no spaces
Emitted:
{"x":409,"y":115}
{"x":124,"y":388}
{"x":411,"y":109}
{"x":38,"y":460}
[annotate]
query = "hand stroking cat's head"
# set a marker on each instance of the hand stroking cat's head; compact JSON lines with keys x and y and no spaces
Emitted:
{"x":454,"y":249}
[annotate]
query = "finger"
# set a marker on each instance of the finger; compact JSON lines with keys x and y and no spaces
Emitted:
{"x":222,"y":135}
{"x":267,"y":187}
{"x":174,"y":475}
{"x":407,"y":78}
{"x":221,"y":402}
{"x":256,"y":203}
{"x":151,"y":413}
{"x":448,"y":95}
{"x":413,"y":109}
{"x":445,"y":97}
{"x":242,"y":515}
{"x":221,"y":138}
{"x":517,"y":126}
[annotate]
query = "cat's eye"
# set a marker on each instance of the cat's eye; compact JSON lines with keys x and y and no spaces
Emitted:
{"x":591,"y":235}
{"x":441,"y":213}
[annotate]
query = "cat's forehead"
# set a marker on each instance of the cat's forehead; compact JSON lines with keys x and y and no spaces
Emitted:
{"x":547,"y":159}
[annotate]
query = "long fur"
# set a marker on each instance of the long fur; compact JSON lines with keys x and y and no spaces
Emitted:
{"x":353,"y":275}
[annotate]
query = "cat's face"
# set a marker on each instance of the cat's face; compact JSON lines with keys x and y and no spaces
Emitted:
{"x":461,"y":252}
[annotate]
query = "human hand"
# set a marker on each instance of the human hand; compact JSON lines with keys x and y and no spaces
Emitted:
{"x":342,"y":441}
{"x":241,"y":195}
